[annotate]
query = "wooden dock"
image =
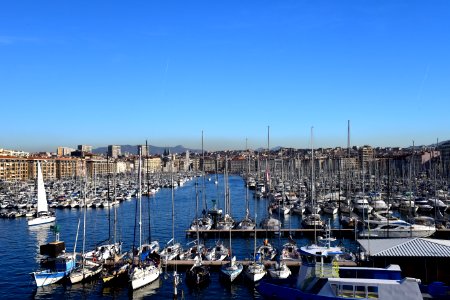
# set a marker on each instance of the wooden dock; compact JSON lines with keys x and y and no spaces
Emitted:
{"x":184,"y":264}
{"x":347,"y":233}
{"x":335,"y":232}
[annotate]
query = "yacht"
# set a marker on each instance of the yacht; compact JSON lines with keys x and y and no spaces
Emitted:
{"x":321,"y":278}
{"x":396,"y":229}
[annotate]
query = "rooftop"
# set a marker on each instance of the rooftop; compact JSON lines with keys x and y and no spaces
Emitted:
{"x":410,"y":247}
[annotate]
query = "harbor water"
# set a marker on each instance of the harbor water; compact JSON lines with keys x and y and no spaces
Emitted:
{"x":20,"y":243}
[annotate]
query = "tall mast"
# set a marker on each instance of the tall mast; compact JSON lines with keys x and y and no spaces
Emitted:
{"x":248,"y":174}
{"x":312,"y":183}
{"x":348,"y":163}
{"x":140,"y":198}
{"x":203,"y":178}
{"x":269,"y":181}
{"x":196,"y":210}
{"x":115,"y":206}
{"x":108,"y":199}
{"x":173,"y":204}
{"x":84,"y":226}
{"x":148,"y":194}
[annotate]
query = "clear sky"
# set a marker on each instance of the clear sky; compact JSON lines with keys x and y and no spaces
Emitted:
{"x":121,"y":72}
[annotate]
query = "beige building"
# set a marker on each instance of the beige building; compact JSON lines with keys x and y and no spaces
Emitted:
{"x":209,"y":164}
{"x":48,"y":168}
{"x":14,"y":153}
{"x":13,"y":168}
{"x":366,"y":155}
{"x":69,"y":168}
{"x":152,"y":163}
{"x":64,"y":151}
{"x":238,"y":164}
{"x":99,"y":167}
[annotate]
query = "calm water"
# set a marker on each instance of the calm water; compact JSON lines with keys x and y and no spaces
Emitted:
{"x":20,"y":244}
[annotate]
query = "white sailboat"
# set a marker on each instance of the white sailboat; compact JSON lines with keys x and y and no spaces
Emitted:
{"x":145,"y":271}
{"x":232,"y":269}
{"x":43,"y":216}
{"x":87,"y":269}
{"x":255,"y":270}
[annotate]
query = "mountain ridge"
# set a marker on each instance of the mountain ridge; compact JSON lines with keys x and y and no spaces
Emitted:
{"x":155,"y":150}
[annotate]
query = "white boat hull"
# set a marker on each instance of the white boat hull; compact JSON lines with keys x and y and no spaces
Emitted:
{"x":280,"y":272}
{"x":398,"y":233}
{"x":86,"y":273}
{"x":44,"y":278}
{"x":143,"y":276}
{"x":41,"y":220}
{"x":231,"y":272}
{"x":255,"y":273}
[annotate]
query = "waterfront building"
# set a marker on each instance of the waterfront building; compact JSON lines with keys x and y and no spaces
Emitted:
{"x":114,"y":151}
{"x":195,"y":162}
{"x":99,"y":167}
{"x":69,"y":168}
{"x":184,"y":164}
{"x":238,"y":165}
{"x":48,"y":168}
{"x":208,"y":165}
{"x":151,"y":163}
{"x":13,"y":168}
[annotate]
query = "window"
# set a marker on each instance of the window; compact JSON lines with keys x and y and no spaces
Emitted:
{"x":347,"y":291}
{"x":372,"y":292}
{"x":360,"y":292}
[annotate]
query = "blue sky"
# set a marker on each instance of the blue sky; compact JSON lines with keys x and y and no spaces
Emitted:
{"x":116,"y":72}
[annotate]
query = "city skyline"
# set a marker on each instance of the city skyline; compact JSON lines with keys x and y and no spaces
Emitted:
{"x":113,"y":74}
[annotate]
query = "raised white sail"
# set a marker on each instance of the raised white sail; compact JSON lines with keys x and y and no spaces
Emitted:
{"x":42,"y":205}
{"x":42,"y":214}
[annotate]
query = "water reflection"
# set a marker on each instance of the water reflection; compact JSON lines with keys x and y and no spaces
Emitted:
{"x":39,"y":233}
{"x":146,"y":291}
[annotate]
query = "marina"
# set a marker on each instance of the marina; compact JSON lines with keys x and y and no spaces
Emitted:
{"x":184,"y":199}
{"x":323,"y":171}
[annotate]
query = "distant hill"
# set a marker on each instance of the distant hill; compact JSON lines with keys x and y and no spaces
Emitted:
{"x":155,"y":150}
{"x":271,"y":149}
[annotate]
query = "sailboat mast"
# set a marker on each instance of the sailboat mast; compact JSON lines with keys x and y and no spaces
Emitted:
{"x":203,"y":177}
{"x":173,"y":204}
{"x":313,"y":183}
{"x":148,"y":193}
{"x":108,"y":200}
{"x":115,"y":206}
{"x":225,"y":184}
{"x":84,"y":226}
{"x":248,"y":175}
{"x":140,"y":198}
{"x":196,"y":210}
{"x":268,"y":160}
